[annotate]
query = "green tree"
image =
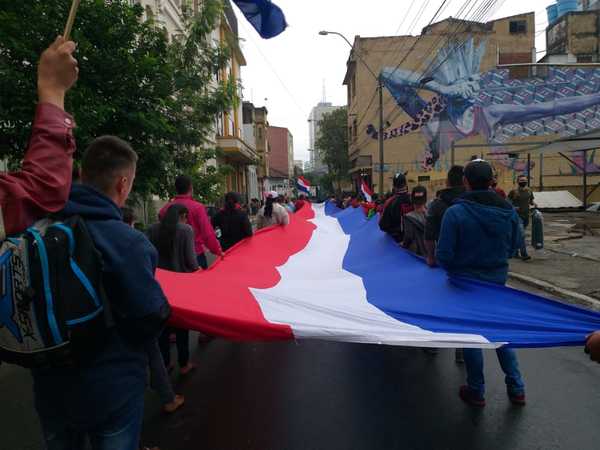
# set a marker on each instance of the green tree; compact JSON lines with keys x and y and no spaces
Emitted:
{"x":332,"y":145}
{"x":158,"y":95}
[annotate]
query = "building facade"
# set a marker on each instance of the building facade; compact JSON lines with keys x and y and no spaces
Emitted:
{"x":256,"y":127}
{"x":281,"y":160}
{"x":464,"y":83}
{"x":316,"y":115}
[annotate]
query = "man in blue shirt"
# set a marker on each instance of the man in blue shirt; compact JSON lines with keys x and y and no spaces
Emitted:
{"x":479,"y":234}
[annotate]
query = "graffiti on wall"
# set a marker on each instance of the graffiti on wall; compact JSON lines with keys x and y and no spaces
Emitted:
{"x":469,"y":103}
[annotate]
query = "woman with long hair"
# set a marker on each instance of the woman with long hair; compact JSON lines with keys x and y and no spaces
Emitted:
{"x":233,"y":222}
{"x":272,"y":213}
{"x":174,"y":240}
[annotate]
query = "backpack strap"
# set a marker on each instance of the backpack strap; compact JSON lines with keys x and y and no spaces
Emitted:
{"x":46,"y":281}
{"x":75,"y":268}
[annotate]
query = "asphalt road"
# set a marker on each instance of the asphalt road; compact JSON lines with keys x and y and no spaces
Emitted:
{"x":323,"y":395}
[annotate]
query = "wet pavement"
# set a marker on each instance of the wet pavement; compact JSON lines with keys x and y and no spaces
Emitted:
{"x":323,"y":395}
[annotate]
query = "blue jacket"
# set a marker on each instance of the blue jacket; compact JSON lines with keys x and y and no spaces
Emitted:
{"x":480,"y":232}
{"x":117,"y":374}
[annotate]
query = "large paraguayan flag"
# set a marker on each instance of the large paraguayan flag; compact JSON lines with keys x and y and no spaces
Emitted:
{"x":266,"y":17}
{"x":303,"y":185}
{"x":331,"y":274}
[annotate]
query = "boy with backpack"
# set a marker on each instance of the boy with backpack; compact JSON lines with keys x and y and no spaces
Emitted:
{"x":102,"y":398}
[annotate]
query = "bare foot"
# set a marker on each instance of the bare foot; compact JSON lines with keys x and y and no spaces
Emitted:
{"x":187,"y":368}
{"x":173,"y":406}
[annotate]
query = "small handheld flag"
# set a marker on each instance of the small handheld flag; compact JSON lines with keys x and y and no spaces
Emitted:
{"x":366,"y":191}
{"x":266,"y":18}
{"x":303,"y":185}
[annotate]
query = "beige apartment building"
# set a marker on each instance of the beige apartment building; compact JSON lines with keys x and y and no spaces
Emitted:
{"x":463,"y":82}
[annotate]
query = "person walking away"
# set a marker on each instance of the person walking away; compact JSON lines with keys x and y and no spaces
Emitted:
{"x":433,"y":221}
{"x":174,"y":240}
{"x":103,"y":400}
{"x":272,"y":213}
{"x":159,"y":376}
{"x":435,"y":213}
{"x":42,"y":185}
{"x":522,"y":199}
{"x":479,"y":234}
{"x":414,"y":222}
{"x":395,"y":208}
{"x":232,"y":221}
{"x":204,"y":234}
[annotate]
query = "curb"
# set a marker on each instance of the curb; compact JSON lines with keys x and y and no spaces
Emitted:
{"x":570,"y":296}
{"x":573,"y":255}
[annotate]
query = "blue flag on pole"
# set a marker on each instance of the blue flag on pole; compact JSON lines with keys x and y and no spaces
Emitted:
{"x":267,"y":18}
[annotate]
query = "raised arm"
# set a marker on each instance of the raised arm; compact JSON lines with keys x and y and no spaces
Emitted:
{"x":43,"y":183}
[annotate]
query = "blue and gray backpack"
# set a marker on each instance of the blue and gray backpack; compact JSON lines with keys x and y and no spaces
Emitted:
{"x":52,"y":304}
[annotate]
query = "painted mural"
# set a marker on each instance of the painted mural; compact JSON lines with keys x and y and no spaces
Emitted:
{"x":465,"y":102}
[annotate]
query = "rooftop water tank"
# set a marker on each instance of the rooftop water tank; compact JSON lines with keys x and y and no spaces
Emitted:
{"x":566,"y":6}
{"x":552,"y":11}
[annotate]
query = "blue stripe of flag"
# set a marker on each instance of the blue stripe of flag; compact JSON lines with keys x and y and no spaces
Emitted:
{"x":266,"y":17}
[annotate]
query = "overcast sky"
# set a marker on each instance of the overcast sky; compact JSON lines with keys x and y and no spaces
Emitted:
{"x":287,"y":73}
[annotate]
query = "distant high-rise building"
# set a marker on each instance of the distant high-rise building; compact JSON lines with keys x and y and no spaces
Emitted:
{"x":316,"y":114}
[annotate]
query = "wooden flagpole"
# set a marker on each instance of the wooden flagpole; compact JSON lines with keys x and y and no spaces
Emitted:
{"x":71,"y":19}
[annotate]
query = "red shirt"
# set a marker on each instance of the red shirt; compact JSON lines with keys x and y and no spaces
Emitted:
{"x":42,"y":185}
{"x":204,"y":233}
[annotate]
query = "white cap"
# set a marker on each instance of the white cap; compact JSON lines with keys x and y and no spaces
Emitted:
{"x":272,"y":194}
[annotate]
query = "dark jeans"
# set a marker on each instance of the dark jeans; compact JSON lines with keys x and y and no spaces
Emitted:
{"x":121,"y":432}
{"x":159,"y":377}
{"x":508,"y":362}
{"x":182,"y":342}
{"x":202,"y":261}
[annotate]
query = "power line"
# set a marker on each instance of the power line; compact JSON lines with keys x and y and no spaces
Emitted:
{"x":289,"y":92}
{"x":419,"y":14}
{"x":484,"y":8}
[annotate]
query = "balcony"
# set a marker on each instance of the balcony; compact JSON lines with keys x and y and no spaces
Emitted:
{"x":237,"y":150}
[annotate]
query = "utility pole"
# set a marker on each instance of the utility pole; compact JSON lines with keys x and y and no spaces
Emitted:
{"x":380,"y":135}
{"x":379,"y":81}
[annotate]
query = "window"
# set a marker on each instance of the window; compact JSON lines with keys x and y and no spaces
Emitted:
{"x":424,"y":178}
{"x":354,"y":130}
{"x":518,"y":26}
{"x":259,"y":132}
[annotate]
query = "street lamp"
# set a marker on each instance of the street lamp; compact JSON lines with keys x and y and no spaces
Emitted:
{"x":380,"y":89}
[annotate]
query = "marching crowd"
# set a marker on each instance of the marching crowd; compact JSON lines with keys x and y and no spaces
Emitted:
{"x":468,"y":231}
{"x":471,"y":229}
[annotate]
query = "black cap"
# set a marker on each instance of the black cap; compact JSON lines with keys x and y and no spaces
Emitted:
{"x":399,"y":180}
{"x":479,"y":174}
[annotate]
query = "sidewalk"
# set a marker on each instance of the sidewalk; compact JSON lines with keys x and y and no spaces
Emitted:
{"x":571,"y":264}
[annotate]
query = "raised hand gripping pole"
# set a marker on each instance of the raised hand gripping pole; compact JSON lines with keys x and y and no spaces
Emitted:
{"x":71,"y":19}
